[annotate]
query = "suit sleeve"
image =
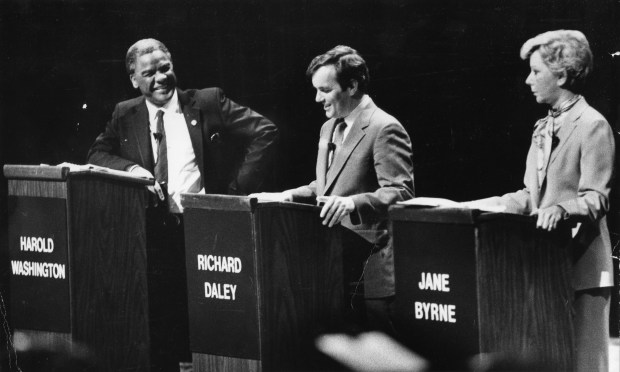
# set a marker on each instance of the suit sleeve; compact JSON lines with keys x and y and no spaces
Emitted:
{"x":596,"y":165}
{"x":259,"y":136}
{"x":106,"y":149}
{"x":519,"y":202}
{"x":308,"y":193}
{"x":305,"y":194}
{"x":393,"y":163}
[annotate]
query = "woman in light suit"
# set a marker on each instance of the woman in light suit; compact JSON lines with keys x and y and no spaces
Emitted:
{"x":568,"y":176}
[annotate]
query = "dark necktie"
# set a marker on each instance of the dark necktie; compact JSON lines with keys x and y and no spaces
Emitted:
{"x":161,"y":165}
{"x":339,"y":128}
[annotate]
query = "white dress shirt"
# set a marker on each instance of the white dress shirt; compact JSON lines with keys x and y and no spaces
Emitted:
{"x":183,"y":172}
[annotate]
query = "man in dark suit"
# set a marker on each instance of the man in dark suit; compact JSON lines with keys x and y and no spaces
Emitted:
{"x":213,"y":144}
{"x":364,"y":165}
{"x":192,"y":141}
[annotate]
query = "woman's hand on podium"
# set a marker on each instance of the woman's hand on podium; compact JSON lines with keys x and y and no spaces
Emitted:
{"x":156,"y":188}
{"x":284,"y":196}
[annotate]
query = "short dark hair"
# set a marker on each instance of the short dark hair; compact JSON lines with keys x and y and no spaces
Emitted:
{"x":349,"y":66}
{"x":140,"y":48}
{"x":563,"y":51}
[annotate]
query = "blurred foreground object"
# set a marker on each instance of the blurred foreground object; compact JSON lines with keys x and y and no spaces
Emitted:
{"x":372,"y":351}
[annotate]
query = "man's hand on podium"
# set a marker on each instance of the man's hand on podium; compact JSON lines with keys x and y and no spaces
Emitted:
{"x":335,"y":208}
{"x":156,"y":188}
{"x":284,"y":196}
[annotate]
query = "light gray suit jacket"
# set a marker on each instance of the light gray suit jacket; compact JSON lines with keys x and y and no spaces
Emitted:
{"x":374,"y":168}
{"x":578,"y":179}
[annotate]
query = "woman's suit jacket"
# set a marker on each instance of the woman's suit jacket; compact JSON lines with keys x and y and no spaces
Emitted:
{"x":578,"y":178}
{"x":374,"y":168}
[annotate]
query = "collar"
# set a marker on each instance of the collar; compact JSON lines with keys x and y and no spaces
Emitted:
{"x":564,"y":106}
{"x":350,"y":119}
{"x":171,"y":106}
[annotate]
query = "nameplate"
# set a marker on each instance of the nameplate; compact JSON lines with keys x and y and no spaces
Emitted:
{"x":39,"y":269}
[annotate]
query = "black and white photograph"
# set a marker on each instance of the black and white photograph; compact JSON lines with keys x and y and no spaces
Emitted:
{"x":309,"y":185}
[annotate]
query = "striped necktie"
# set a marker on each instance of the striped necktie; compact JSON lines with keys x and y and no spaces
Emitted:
{"x":161,"y":165}
{"x":338,"y":137}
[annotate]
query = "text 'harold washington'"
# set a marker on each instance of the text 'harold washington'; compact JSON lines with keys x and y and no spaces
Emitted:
{"x":224,"y":264}
{"x":35,"y":268}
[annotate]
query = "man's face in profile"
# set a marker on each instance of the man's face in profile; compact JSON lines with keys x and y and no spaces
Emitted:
{"x":154,"y":76}
{"x":336,"y":101}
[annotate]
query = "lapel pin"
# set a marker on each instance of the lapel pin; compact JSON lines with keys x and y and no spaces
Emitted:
{"x":194,"y":122}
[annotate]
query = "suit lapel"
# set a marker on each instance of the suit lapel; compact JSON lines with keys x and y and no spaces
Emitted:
{"x":194,"y":126}
{"x":356,"y":133}
{"x":141,"y":134}
{"x":323,"y":156}
{"x":568,"y":128}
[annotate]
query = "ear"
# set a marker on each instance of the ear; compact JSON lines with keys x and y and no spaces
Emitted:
{"x":133,"y":80}
{"x":562,"y":78}
{"x":353,"y":88}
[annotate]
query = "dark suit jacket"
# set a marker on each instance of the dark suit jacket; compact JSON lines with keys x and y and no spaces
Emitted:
{"x":374,"y":168}
{"x":233,"y":144}
{"x":578,"y":179}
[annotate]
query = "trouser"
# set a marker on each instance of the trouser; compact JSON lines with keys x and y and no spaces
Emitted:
{"x":591,"y":324}
{"x":167,"y":288}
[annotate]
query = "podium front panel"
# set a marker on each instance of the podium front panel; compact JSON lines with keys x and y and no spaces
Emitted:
{"x":40,"y":271}
{"x":435,"y":269}
{"x":222,"y":283}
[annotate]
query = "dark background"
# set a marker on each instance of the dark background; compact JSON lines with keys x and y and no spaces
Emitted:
{"x":448,"y":70}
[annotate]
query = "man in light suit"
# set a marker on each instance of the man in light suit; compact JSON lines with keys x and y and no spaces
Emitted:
{"x":364,"y":164}
{"x":192,"y":141}
{"x":568,"y":176}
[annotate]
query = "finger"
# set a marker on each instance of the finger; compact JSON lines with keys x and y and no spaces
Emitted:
{"x":339,"y":215}
{"x":335,"y":218}
{"x":329,"y":215}
{"x":553,"y":224}
{"x":328,"y":205}
{"x":549,"y":223}
{"x":151,"y":189}
{"x":539,"y":220}
{"x":159,"y":191}
{"x":543,"y":221}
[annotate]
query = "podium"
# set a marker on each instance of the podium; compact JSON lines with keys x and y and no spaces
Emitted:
{"x":79,"y":265}
{"x":469,"y":282}
{"x":264,"y":279}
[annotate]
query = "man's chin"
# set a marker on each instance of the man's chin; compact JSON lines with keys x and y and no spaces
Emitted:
{"x":160,"y":98}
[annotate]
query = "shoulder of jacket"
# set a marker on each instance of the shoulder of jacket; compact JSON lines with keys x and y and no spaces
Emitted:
{"x":592,"y":115}
{"x":125,"y":106}
{"x":382,"y":119}
{"x":205,"y":94}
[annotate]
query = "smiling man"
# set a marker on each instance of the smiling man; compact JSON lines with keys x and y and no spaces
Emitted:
{"x":364,"y":165}
{"x":193,"y":130}
{"x":191,"y":141}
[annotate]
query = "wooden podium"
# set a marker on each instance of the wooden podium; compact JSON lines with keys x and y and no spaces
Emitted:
{"x":79,"y":264}
{"x":469,"y":282}
{"x":264,"y":279}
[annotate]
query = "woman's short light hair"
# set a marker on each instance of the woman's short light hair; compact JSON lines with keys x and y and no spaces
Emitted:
{"x":563,"y":51}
